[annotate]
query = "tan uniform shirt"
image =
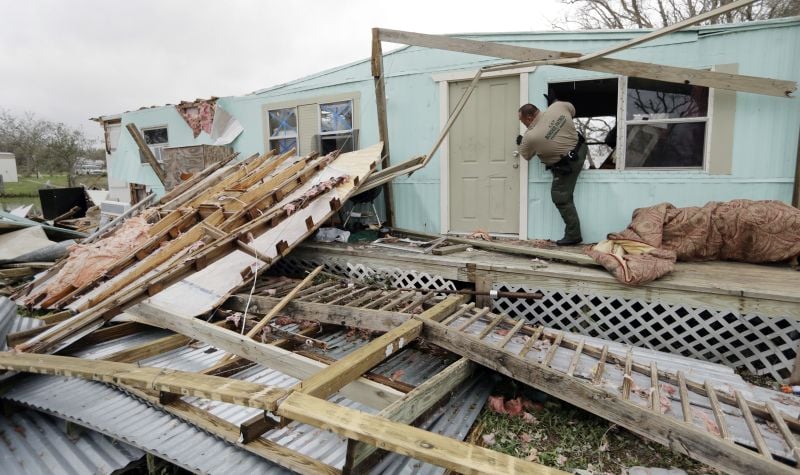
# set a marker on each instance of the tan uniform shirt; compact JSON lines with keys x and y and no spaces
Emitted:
{"x":551,"y":135}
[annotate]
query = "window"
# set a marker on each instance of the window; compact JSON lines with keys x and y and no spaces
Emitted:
{"x":282,"y":129}
{"x":664,"y":125}
{"x":336,"y":127}
{"x":157,"y":139}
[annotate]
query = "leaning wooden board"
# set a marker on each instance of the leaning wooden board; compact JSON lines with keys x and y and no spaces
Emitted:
{"x":209,"y":287}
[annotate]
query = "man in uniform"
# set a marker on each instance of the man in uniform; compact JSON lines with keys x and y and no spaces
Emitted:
{"x":552,"y":136}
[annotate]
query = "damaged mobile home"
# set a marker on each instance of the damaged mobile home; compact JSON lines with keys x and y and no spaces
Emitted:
{"x":203,"y":326}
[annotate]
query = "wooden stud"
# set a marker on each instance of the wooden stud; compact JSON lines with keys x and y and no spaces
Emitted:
{"x":147,"y":153}
{"x":410,"y":407}
{"x":404,"y":439}
{"x":655,"y":393}
{"x":252,"y":428}
{"x":573,"y":364}
{"x":491,"y":326}
{"x":758,"y":438}
{"x":531,"y":341}
{"x":553,"y":349}
{"x":478,"y":315}
{"x":511,"y":333}
{"x":684,"y":395}
{"x":189,"y":384}
{"x":601,"y":366}
{"x":724,"y":431}
{"x":786,"y":433}
{"x":458,"y":313}
{"x":330,"y":380}
{"x":357,"y":317}
{"x":627,"y":379}
{"x":310,"y":223}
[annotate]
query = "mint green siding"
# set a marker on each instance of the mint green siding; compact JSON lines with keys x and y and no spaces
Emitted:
{"x":764,"y":144}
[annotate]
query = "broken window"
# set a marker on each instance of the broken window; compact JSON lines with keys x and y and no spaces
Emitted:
{"x":157,"y":139}
{"x":665,"y":124}
{"x":596,"y":106}
{"x":283,"y":129}
{"x":336,"y":127}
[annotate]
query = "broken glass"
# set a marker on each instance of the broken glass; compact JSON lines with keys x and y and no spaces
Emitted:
{"x":283,"y":145}
{"x":155,"y":136}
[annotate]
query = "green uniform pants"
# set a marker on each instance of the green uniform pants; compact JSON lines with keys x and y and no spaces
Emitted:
{"x":561,"y":192}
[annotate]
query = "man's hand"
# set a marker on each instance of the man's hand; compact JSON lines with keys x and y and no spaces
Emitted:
{"x":519,"y":140}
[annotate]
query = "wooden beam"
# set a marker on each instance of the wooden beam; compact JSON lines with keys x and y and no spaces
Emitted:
{"x":481,"y":48}
{"x":733,"y":82}
{"x":161,"y":379}
{"x":383,"y":121}
{"x":374,"y":320}
{"x":403,"y":439}
{"x":148,"y":350}
{"x":565,"y":256}
{"x":334,"y":377}
{"x":411,"y":406}
{"x":665,"y":31}
{"x":147,"y":153}
{"x":361,"y":390}
{"x":682,"y":438}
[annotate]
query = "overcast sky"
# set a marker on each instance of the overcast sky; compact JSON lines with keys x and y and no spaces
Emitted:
{"x":71,"y":60}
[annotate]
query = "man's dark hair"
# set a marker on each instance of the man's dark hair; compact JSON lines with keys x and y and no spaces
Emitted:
{"x":528,"y":110}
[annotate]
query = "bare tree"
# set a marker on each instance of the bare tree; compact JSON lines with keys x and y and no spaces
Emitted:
{"x":618,"y":14}
{"x":42,"y":145}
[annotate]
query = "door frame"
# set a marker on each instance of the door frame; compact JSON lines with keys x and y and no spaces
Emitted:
{"x":444,"y":80}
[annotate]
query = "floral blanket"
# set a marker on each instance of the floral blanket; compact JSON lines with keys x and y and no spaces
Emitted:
{"x":738,"y":230}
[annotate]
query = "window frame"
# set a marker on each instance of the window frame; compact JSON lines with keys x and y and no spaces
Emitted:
{"x":623,"y":123}
{"x":157,"y":149}
{"x":296,"y":135}
{"x":622,"y":132}
{"x":336,"y":133}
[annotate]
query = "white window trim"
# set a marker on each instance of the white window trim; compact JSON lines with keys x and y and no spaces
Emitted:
{"x":444,"y":80}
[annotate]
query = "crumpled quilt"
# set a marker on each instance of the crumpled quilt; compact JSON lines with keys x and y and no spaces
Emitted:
{"x":738,"y":230}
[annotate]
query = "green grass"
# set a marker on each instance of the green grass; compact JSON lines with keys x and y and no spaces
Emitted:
{"x":566,"y":437}
{"x":26,"y":190}
{"x":29,"y":186}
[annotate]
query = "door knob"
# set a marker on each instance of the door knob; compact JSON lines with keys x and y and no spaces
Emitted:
{"x":515,"y":154}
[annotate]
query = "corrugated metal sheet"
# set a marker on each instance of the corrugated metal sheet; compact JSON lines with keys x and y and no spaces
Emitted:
{"x":112,"y":412}
{"x":322,"y":445}
{"x":34,"y":443}
{"x":10,"y":322}
{"x":123,"y":417}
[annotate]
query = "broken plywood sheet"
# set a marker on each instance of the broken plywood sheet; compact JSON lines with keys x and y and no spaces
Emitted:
{"x":206,"y":289}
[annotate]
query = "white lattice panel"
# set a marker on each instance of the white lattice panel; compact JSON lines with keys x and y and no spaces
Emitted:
{"x":393,"y":277}
{"x":759,"y":344}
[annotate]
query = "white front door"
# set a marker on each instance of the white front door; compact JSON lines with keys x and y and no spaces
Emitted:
{"x":484,"y":171}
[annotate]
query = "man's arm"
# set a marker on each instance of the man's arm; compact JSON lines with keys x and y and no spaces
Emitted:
{"x":526,"y":148}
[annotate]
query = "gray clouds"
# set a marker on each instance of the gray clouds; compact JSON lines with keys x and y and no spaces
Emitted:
{"x":71,"y":60}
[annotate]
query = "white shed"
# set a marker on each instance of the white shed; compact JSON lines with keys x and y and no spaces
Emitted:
{"x":8,"y":167}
